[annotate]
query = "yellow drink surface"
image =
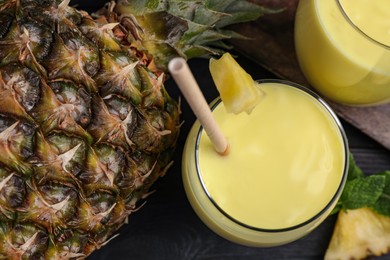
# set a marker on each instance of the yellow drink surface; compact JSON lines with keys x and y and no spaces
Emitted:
{"x":371,"y":17}
{"x":286,"y":160}
{"x":336,"y":58}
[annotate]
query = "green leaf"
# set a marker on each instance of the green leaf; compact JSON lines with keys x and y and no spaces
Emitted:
{"x":201,"y":51}
{"x":140,"y":7}
{"x":242,"y":11}
{"x":362,"y":192}
{"x":382,"y":205}
{"x":354,"y":171}
{"x":206,"y":16}
{"x":187,"y":28}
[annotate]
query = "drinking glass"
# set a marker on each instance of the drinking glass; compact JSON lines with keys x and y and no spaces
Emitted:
{"x":283,"y":176}
{"x":343,"y":48}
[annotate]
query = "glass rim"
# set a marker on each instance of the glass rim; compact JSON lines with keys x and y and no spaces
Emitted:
{"x":337,"y":193}
{"x":357,"y":28}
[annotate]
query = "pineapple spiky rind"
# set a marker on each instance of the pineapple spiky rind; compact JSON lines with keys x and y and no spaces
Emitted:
{"x":85,"y":130}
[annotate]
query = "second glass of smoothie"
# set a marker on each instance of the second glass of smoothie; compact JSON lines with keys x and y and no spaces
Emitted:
{"x":343,"y":48}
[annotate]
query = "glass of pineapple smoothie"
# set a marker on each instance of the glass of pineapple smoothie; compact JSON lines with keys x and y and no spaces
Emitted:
{"x":283,"y":176}
{"x":343,"y":48}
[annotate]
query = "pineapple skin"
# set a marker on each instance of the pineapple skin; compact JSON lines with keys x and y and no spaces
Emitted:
{"x":85,"y":130}
{"x":358,"y":234}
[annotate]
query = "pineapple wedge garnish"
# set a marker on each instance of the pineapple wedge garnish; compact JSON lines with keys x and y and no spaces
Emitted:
{"x":358,"y":234}
{"x":238,"y":91}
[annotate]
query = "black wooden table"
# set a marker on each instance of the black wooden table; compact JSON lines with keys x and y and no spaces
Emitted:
{"x":166,"y":227}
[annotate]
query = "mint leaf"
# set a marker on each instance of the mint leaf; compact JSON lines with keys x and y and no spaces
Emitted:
{"x":353,"y":170}
{"x":362,"y":192}
{"x":337,"y":208}
{"x":382,"y":205}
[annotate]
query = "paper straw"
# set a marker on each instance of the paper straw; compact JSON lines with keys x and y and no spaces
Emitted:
{"x":183,"y":77}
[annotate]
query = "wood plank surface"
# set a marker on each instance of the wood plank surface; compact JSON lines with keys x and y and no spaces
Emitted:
{"x":272,"y":46}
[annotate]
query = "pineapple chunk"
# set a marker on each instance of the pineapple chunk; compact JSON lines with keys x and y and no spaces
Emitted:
{"x":359,"y":233}
{"x":236,"y":87}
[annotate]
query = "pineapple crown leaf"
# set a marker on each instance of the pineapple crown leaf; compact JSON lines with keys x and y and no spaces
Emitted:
{"x":239,"y":11}
{"x":202,"y":51}
{"x":201,"y":34}
{"x":185,"y":27}
{"x":201,"y":11}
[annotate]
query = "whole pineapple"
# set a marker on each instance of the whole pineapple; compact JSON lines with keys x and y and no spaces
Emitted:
{"x":86,"y":126}
{"x":85,"y":129}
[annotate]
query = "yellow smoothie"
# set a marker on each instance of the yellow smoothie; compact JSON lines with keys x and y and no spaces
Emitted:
{"x":345,"y":56}
{"x":285,"y":169}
